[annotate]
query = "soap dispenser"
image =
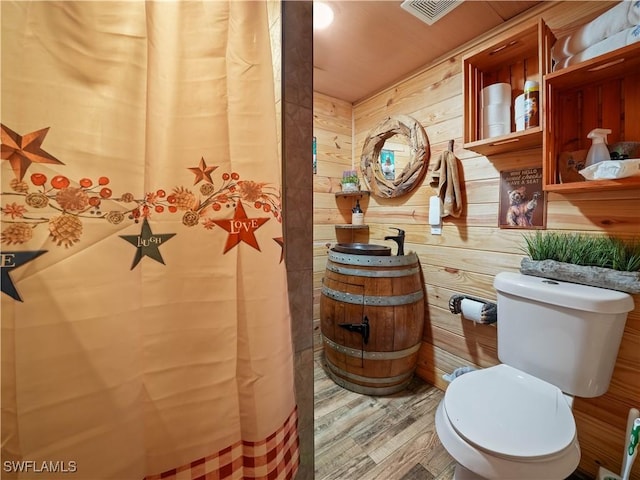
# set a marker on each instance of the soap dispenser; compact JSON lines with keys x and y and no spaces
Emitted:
{"x":598,"y":151}
{"x":357,"y":215}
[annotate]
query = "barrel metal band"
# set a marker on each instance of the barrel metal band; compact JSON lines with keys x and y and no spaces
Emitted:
{"x":372,"y":300}
{"x":360,"y":378}
{"x":353,"y":352}
{"x":374,"y":260}
{"x":359,"y":272}
{"x":367,"y":390}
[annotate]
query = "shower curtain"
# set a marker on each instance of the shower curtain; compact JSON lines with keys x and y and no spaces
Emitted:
{"x":145,"y":321}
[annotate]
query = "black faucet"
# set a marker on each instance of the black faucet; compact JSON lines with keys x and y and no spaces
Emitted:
{"x":399,"y":239}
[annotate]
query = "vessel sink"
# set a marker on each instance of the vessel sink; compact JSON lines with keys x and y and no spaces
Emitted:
{"x":362,"y":249}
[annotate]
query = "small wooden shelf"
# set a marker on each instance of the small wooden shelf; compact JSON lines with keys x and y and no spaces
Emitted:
{"x":603,"y":92}
{"x":359,"y":193}
{"x":513,"y":57}
{"x":523,"y":140}
{"x":352,"y":227}
{"x":346,"y":232}
{"x":589,"y":185}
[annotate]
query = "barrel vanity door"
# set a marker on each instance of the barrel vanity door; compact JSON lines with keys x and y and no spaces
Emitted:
{"x":394,"y":306}
{"x":345,"y":331}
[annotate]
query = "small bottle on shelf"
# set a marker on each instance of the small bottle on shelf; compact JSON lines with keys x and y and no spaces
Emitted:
{"x":357,"y":215}
{"x":531,"y":104}
{"x":598,"y":151}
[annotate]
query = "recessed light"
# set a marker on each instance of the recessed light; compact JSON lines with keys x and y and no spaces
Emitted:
{"x":322,"y":15}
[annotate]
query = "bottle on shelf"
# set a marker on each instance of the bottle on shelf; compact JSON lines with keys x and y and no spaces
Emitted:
{"x":598,"y":151}
{"x":357,"y":215}
{"x":531,"y":104}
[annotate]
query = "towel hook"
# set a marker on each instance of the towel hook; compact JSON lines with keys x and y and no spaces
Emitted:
{"x":450,"y":148}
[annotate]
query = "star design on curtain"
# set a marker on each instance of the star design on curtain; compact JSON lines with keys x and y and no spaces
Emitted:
{"x":280,"y":241}
{"x":147,"y":244}
{"x":241,"y":228}
{"x":11,"y":260}
{"x":202,"y":172}
{"x":23,"y":150}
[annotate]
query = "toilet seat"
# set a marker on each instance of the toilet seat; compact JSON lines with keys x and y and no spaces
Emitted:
{"x":487,"y":466}
{"x":510,"y":414}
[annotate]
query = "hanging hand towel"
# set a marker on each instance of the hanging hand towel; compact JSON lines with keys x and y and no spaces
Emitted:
{"x":445,"y":175}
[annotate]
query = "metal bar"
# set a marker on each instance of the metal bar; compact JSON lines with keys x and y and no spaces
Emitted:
{"x":372,"y":300}
{"x":357,"y":353}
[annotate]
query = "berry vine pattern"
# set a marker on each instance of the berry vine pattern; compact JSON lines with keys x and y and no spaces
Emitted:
{"x":63,"y":205}
{"x":69,"y":204}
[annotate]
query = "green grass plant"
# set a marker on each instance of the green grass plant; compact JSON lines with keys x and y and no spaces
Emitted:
{"x":583,"y":249}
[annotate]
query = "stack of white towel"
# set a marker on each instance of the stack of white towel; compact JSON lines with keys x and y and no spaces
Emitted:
{"x":615,"y":28}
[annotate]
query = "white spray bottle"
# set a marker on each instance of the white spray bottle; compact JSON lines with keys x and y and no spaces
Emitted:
{"x":598,"y":151}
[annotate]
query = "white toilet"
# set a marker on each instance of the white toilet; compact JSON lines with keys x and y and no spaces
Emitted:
{"x":514,"y":420}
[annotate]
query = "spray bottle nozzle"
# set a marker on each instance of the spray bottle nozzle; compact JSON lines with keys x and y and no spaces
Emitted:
{"x":599,"y":135}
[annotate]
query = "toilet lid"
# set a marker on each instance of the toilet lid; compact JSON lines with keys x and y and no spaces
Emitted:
{"x":510,"y":413}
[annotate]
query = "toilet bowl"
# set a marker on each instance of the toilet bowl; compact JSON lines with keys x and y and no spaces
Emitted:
{"x":513,"y":420}
{"x":502,"y":423}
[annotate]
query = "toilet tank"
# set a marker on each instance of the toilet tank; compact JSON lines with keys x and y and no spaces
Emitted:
{"x":564,"y":333}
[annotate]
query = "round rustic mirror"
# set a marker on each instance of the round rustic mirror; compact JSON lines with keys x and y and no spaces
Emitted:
{"x":395,"y":156}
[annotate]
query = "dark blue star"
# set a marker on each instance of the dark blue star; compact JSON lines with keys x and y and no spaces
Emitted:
{"x":9,"y":261}
{"x":147,"y":243}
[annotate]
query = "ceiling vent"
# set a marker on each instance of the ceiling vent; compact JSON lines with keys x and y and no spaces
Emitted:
{"x":430,"y":11}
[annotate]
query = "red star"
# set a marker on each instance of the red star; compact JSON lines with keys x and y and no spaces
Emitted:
{"x":241,"y":228}
{"x":280,"y":241}
{"x":21,"y":151}
{"x":202,"y":171}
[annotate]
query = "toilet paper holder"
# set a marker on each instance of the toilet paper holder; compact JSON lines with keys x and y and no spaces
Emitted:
{"x":488,"y":315}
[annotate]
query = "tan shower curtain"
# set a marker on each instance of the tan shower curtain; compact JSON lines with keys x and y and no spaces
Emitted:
{"x":145,"y":323}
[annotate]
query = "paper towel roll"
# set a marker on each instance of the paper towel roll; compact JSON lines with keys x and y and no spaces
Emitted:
{"x":496,"y":120}
{"x":496,"y":130}
{"x":496,"y":93}
{"x":472,"y":310}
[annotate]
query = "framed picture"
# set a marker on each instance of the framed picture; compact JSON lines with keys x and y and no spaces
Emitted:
{"x":522,"y":200}
{"x":388,"y":164}
{"x":315,"y":155}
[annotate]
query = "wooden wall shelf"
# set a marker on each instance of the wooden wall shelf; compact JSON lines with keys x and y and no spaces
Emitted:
{"x":526,"y":139}
{"x":603,"y":92}
{"x":352,"y":227}
{"x":514,"y":57}
{"x":359,"y":193}
{"x":590,"y":185}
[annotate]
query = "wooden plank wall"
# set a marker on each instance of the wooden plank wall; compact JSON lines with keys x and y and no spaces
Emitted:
{"x":332,"y":129}
{"x":472,"y":249}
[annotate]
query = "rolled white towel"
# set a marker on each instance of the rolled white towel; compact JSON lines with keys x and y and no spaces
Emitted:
{"x":622,"y":16}
{"x":560,"y":64}
{"x":634,"y":12}
{"x":619,"y":40}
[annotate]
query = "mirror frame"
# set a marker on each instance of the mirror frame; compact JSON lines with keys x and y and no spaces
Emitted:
{"x":412,"y":174}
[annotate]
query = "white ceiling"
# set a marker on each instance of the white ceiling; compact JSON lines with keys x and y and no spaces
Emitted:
{"x":372,"y":44}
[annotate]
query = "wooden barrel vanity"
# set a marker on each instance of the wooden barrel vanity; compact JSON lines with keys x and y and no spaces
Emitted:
{"x":372,"y":319}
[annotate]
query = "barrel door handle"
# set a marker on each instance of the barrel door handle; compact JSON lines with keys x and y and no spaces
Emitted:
{"x":362,"y":328}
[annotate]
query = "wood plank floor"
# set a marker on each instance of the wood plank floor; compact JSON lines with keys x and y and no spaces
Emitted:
{"x":361,"y":437}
